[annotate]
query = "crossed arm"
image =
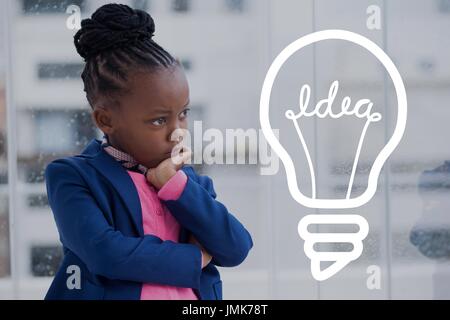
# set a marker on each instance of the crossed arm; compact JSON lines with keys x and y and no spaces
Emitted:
{"x":84,"y":230}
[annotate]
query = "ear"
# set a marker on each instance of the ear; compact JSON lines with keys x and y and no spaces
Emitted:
{"x":103,"y":119}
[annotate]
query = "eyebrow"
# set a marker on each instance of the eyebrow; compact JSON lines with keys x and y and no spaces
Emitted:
{"x":165,"y":111}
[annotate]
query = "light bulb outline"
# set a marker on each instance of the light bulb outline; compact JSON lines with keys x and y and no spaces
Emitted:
{"x":283,"y":56}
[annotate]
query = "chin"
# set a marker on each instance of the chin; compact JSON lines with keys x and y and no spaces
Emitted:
{"x":155,"y":163}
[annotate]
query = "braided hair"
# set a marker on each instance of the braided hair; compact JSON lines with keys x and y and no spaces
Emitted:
{"x":114,"y":41}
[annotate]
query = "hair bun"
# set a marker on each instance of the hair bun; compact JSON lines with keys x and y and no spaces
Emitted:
{"x":112,"y":26}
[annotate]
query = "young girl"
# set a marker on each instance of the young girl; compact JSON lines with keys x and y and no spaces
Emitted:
{"x":133,"y":224}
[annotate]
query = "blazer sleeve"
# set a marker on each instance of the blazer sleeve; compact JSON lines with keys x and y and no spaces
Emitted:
{"x":219,"y":232}
{"x":85,"y":231}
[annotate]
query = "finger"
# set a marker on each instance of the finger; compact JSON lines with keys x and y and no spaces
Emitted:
{"x":181,"y":156}
{"x":186,"y":155}
{"x":176,"y":155}
{"x":185,"y":158}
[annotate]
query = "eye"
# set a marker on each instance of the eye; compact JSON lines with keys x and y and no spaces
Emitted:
{"x":159,"y":122}
{"x":185,"y":113}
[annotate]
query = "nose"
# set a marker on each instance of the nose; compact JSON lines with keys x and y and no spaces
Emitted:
{"x":175,"y":133}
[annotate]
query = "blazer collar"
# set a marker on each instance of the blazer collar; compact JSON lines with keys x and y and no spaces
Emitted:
{"x":119,"y":179}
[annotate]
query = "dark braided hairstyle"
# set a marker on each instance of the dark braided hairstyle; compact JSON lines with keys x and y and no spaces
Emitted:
{"x":114,"y":41}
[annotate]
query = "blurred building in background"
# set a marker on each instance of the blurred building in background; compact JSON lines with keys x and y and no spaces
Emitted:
{"x":226,"y":47}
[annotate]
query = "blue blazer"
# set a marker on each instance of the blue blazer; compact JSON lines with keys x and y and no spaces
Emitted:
{"x":106,"y":254}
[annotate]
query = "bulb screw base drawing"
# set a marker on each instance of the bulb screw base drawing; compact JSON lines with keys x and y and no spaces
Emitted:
{"x":339,"y":259}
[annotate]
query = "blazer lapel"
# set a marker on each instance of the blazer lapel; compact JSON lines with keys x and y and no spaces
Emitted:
{"x":121,"y":181}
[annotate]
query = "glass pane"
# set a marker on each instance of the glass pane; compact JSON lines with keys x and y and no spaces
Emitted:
{"x":36,"y":7}
{"x":360,"y":76}
{"x":218,"y":106}
{"x":408,"y":240}
{"x":4,"y":196}
{"x":53,"y":121}
{"x":289,"y":276}
{"x":418,"y":38}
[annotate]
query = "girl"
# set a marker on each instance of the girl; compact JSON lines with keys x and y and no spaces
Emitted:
{"x":133,"y":224}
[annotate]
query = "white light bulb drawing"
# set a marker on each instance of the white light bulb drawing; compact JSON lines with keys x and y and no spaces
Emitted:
{"x":339,"y":259}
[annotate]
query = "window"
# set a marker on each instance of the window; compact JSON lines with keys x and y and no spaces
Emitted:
{"x":57,"y":122}
{"x":71,"y":128}
{"x":47,"y":71}
{"x":45,"y":260}
{"x":181,"y":5}
{"x":141,"y":4}
{"x":235,"y":5}
{"x":444,"y":6}
{"x":49,"y":6}
{"x":37,"y":200}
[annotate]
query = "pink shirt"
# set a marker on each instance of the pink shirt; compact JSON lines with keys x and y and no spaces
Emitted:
{"x":158,"y":221}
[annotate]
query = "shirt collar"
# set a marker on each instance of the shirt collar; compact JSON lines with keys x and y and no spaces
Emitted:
{"x":123,"y":158}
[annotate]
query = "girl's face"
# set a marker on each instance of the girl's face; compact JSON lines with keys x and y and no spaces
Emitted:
{"x":142,"y":124}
